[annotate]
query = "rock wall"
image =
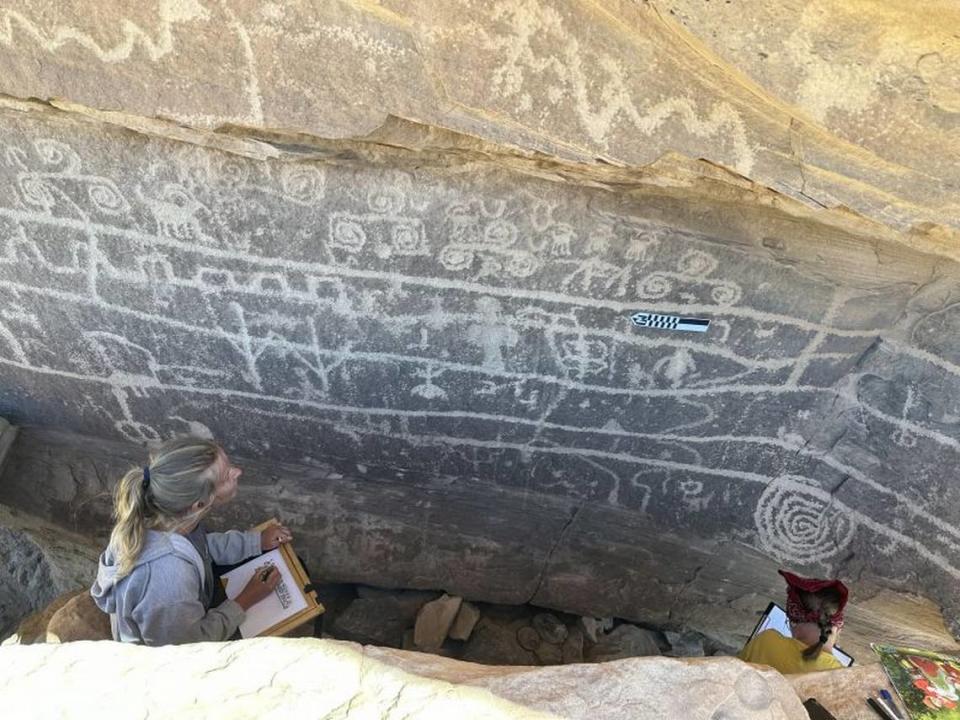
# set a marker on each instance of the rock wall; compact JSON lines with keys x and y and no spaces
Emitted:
{"x":833,"y":103}
{"x":420,"y":309}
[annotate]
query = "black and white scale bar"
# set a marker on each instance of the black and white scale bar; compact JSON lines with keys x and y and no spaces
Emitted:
{"x":669,"y":322}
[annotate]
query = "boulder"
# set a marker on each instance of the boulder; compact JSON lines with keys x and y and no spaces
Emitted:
{"x":39,"y":562}
{"x":529,"y":639}
{"x":494,"y":642}
{"x":624,"y":641}
{"x":550,"y":628}
{"x":79,"y":619}
{"x":278,"y":677}
{"x":465,"y":621}
{"x":371,"y":621}
{"x":434,"y":621}
{"x":33,"y":628}
{"x":572,"y":650}
{"x":549,"y":654}
{"x":685,"y":644}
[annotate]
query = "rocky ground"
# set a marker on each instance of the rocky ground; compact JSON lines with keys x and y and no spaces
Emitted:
{"x":492,"y":634}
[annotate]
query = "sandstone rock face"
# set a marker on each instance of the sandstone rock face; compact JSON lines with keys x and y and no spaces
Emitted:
{"x":807,"y":476}
{"x":834,"y":104}
{"x":272,"y":676}
{"x":431,"y":335}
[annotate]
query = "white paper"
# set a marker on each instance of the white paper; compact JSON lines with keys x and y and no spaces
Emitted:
{"x":777,"y":620}
{"x":269,"y":611}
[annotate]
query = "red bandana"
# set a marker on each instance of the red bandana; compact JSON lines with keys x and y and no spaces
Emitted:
{"x":796,"y":612}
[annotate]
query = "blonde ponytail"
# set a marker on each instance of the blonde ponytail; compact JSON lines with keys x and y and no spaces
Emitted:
{"x":129,"y":511}
{"x":160,"y":495}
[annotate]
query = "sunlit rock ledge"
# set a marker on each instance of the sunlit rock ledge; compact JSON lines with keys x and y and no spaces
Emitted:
{"x":284,"y":678}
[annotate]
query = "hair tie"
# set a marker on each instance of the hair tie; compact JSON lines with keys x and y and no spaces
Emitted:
{"x":146,"y":478}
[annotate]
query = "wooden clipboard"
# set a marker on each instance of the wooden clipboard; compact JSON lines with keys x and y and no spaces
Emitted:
{"x":303,"y":586}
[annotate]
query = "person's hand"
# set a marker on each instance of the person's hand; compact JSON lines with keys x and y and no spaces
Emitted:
{"x":274,"y":536}
{"x":264,"y":581}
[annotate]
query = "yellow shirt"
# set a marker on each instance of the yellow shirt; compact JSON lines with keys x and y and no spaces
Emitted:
{"x":785,"y":654}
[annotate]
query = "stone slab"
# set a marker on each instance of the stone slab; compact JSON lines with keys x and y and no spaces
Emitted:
{"x":434,"y":621}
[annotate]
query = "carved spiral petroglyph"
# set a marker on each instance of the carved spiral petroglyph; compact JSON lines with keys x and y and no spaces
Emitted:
{"x":521,"y":264}
{"x":500,"y":232}
{"x":58,"y":154}
{"x":454,"y":257}
{"x":302,"y":183}
{"x":107,"y":198}
{"x":348,"y":234}
{"x":654,"y":286}
{"x":726,"y":293}
{"x":797,"y":523}
{"x":387,"y":201}
{"x":36,"y":192}
{"x":697,"y":263}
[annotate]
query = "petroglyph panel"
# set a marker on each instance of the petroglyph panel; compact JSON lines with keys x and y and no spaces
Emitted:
{"x":768,"y":91}
{"x":476,"y":325}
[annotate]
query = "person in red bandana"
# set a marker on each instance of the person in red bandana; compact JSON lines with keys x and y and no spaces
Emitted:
{"x":815,"y":610}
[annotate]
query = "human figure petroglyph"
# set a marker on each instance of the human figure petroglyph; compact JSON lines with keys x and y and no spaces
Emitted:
{"x":492,"y":334}
{"x":428,"y":389}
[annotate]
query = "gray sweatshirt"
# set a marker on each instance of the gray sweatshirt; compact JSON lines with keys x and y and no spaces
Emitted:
{"x":161,"y":601}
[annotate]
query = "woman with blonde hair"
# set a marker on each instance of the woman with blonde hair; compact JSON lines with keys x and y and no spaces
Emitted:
{"x":155,"y":577}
